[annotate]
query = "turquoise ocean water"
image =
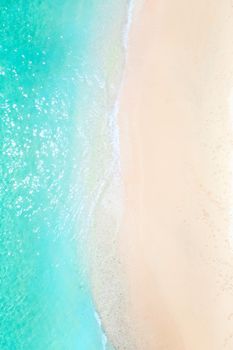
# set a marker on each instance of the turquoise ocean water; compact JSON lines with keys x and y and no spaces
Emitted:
{"x":60,"y":64}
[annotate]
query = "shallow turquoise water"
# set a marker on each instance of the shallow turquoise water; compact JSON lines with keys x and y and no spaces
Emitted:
{"x":54,"y":64}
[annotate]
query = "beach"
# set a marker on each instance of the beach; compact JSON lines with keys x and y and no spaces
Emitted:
{"x":116,"y":175}
{"x":176,"y":158}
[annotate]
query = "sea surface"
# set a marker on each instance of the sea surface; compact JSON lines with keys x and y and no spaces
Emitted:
{"x":60,"y":70}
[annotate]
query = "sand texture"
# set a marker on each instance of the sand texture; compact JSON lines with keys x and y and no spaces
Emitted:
{"x":176,"y":149}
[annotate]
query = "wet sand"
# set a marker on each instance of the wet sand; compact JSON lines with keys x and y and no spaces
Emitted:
{"x":176,"y":149}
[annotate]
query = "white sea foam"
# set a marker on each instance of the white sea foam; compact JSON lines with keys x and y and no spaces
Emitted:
{"x":113,"y":116}
{"x":104,"y":338}
{"x":131,"y":6}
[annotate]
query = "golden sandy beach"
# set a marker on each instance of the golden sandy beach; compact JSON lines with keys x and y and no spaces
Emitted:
{"x":176,"y":148}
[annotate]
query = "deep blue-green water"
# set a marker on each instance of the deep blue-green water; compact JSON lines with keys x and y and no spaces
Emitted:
{"x":59,"y":69}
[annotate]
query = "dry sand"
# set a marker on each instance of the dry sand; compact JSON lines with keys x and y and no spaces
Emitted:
{"x":176,"y":142}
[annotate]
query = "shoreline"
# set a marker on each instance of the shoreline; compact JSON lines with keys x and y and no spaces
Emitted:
{"x":175,"y":154}
{"x":107,"y":277}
